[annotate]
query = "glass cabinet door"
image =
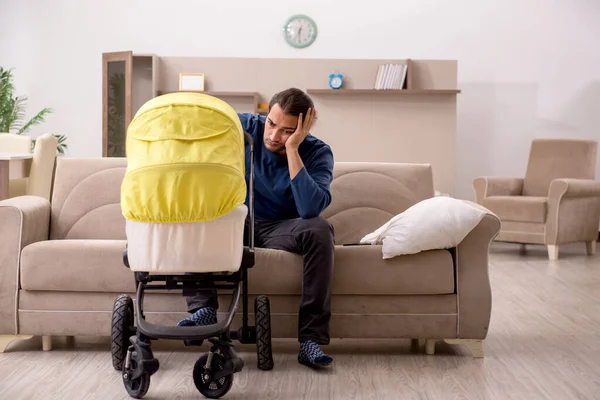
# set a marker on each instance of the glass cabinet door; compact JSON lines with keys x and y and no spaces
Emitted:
{"x":116,"y":101}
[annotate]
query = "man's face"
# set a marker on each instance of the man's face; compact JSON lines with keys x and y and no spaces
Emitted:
{"x":278,"y":128}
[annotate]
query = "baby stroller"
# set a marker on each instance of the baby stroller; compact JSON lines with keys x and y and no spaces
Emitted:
{"x":183,"y":199}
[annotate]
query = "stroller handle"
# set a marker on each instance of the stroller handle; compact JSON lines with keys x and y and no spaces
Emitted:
{"x":250,"y":139}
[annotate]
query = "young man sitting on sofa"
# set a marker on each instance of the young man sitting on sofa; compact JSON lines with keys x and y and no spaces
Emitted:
{"x":293,"y":171}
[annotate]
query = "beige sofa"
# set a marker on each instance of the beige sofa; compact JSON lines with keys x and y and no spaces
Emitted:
{"x":61,"y":263}
{"x":556,"y":202}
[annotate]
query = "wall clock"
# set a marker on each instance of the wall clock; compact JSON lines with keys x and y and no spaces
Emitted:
{"x":300,"y":31}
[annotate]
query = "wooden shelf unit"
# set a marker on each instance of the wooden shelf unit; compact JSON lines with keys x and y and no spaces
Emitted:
{"x":410,"y":88}
{"x":384,"y":91}
{"x":406,"y":121}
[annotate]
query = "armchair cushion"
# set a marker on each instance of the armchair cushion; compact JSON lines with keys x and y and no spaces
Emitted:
{"x":487,"y":186}
{"x":518,"y":208}
{"x":551,"y":159}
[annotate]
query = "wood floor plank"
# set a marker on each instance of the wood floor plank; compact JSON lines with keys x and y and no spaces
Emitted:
{"x":544,"y":343}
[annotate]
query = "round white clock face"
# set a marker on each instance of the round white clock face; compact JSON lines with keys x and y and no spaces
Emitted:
{"x":300,"y":31}
{"x":336,"y":82}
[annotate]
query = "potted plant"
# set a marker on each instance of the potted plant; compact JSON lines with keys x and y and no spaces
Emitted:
{"x":12,"y":111}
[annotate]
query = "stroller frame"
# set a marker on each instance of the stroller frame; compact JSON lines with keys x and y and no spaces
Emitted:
{"x":213,"y":371}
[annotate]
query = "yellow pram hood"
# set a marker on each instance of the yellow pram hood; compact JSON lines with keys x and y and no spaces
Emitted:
{"x":185,"y":160}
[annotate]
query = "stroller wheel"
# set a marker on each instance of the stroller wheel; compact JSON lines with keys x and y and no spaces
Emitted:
{"x":262,"y":312}
{"x":136,"y":388}
{"x":121,"y":329}
{"x":207,"y":384}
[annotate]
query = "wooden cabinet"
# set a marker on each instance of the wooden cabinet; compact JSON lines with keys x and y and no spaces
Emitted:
{"x":128,"y":81}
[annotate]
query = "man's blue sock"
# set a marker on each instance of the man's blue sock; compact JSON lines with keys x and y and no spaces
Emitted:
{"x":311,"y":354}
{"x":204,"y":316}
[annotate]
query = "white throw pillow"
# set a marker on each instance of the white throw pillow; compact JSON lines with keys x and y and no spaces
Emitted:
{"x":435,"y":223}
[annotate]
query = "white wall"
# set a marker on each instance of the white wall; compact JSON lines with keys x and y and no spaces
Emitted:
{"x":527,"y":68}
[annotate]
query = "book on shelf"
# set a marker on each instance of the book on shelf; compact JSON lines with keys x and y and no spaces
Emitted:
{"x":391,"y":77}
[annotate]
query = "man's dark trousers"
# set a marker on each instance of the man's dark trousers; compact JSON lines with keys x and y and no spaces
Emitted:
{"x":314,"y":239}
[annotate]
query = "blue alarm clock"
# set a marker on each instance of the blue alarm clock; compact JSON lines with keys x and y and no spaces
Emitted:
{"x":335,"y":81}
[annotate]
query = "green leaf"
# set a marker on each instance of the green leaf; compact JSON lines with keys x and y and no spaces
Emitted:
{"x":15,"y":120}
{"x":6,"y":99}
{"x":62,"y":146}
{"x":37,"y":119}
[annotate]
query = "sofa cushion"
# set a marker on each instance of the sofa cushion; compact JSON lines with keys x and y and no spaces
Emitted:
{"x":76,"y":265}
{"x":97,"y":266}
{"x":86,"y":199}
{"x":362,"y":270}
{"x":518,"y":208}
{"x":358,"y":270}
{"x":367,"y":194}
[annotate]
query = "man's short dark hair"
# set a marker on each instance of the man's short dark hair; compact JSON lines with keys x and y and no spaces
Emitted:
{"x":292,"y":101}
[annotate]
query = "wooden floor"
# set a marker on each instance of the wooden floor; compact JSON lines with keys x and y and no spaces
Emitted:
{"x":544,"y":343}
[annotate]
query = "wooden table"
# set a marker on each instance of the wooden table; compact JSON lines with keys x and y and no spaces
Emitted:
{"x":13,"y":166}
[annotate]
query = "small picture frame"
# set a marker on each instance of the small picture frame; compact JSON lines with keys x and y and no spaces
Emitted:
{"x":191,"y":82}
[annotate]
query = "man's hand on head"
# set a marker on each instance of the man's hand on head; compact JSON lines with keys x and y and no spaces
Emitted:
{"x":303,"y":129}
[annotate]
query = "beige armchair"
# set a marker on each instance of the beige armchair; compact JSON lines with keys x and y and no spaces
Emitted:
{"x":557,"y":202}
{"x":39,"y":182}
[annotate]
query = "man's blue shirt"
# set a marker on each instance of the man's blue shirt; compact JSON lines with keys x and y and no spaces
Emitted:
{"x":276,"y":196}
